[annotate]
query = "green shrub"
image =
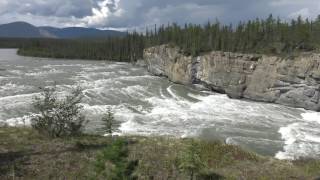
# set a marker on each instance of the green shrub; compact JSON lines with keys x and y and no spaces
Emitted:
{"x":209,"y":175}
{"x":190,"y":159}
{"x":58,"y":117}
{"x":112,"y":163}
{"x":109,"y":122}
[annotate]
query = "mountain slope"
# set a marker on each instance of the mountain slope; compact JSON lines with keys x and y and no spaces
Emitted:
{"x":26,"y":30}
{"x":79,"y":32}
{"x":20,"y":30}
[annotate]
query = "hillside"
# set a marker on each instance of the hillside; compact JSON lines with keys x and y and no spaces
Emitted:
{"x":262,"y":36}
{"x":79,"y":32}
{"x":26,"y":30}
{"x":19,"y":30}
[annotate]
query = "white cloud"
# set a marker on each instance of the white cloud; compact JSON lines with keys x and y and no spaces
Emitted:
{"x":140,"y":13}
{"x":287,"y":2}
{"x":304,"y":13}
{"x":294,"y":8}
{"x":184,"y":13}
{"x":3,"y":6}
{"x":101,"y":14}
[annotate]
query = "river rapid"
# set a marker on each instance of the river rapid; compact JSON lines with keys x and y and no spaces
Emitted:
{"x":149,"y":105}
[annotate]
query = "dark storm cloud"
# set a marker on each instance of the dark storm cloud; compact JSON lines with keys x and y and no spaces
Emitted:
{"x":139,"y":13}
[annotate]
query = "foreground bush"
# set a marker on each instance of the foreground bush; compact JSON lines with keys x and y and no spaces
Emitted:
{"x":110,"y":125}
{"x":112,"y":163}
{"x":190,"y":159}
{"x":58,"y":117}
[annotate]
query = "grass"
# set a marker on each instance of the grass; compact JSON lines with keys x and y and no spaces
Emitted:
{"x":24,"y":154}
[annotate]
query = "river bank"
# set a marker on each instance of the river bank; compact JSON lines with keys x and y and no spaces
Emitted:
{"x":292,"y":81}
{"x":148,"y":105}
{"x":27,"y":155}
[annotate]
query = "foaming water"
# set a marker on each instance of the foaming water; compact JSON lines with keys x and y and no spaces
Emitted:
{"x":148,"y":105}
{"x":302,"y":138}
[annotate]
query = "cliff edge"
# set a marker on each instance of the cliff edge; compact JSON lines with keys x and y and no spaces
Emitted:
{"x":292,"y":82}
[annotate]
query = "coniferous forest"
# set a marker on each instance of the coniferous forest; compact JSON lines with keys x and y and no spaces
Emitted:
{"x":263,"y":36}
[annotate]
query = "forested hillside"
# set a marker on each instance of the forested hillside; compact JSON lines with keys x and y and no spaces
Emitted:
{"x":15,"y":42}
{"x":267,"y":36}
{"x":118,"y":49}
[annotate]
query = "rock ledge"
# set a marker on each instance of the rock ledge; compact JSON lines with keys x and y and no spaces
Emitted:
{"x":292,"y":82}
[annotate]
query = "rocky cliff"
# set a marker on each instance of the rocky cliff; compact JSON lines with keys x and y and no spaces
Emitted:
{"x":293,"y":82}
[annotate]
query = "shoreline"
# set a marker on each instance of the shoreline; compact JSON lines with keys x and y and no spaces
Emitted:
{"x":26,"y":154}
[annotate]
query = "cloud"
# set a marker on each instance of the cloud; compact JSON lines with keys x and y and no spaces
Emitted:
{"x":103,"y":12}
{"x":286,"y":2}
{"x":184,"y":13}
{"x":305,"y":13}
{"x":295,"y":8}
{"x":140,"y":13}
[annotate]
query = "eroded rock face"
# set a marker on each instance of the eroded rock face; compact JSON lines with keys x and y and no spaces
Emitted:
{"x":293,"y":82}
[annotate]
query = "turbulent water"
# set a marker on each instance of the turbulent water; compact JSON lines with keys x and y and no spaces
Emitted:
{"x":149,"y":105}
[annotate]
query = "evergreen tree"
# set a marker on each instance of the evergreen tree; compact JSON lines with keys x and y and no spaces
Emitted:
{"x":270,"y":36}
{"x":110,"y":125}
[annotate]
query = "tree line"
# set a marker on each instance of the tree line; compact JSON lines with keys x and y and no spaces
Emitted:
{"x":263,"y":36}
{"x":115,"y":48}
{"x":267,"y":36}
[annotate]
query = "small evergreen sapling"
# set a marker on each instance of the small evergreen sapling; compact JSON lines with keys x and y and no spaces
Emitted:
{"x":109,"y":122}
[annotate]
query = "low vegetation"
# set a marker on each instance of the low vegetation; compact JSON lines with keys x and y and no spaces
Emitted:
{"x":113,"y":163}
{"x":26,"y":154}
{"x":110,"y":125}
{"x":126,"y":49}
{"x":58,"y":117}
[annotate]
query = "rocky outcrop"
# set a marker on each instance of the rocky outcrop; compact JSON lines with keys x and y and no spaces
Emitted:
{"x":293,"y":82}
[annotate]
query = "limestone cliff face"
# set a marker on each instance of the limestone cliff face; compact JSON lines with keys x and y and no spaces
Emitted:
{"x":293,"y":82}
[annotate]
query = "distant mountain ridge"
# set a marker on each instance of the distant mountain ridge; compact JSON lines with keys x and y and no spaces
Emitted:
{"x":26,"y":30}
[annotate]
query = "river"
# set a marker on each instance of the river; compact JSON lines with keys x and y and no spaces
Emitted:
{"x":149,"y":105}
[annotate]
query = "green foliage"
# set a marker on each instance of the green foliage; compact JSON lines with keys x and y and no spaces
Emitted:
{"x":110,"y":125}
{"x":58,"y":117}
{"x":310,"y":166}
{"x":36,"y":157}
{"x":190,"y":159}
{"x":14,"y":42}
{"x":129,"y":48}
{"x":208,"y":175}
{"x":271,"y":36}
{"x":112,"y":163}
{"x":267,"y":36}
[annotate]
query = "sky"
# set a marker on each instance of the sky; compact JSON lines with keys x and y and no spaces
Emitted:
{"x":128,"y":14}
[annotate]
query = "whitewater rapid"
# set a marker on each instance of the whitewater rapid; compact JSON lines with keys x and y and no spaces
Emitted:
{"x":149,"y":105}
